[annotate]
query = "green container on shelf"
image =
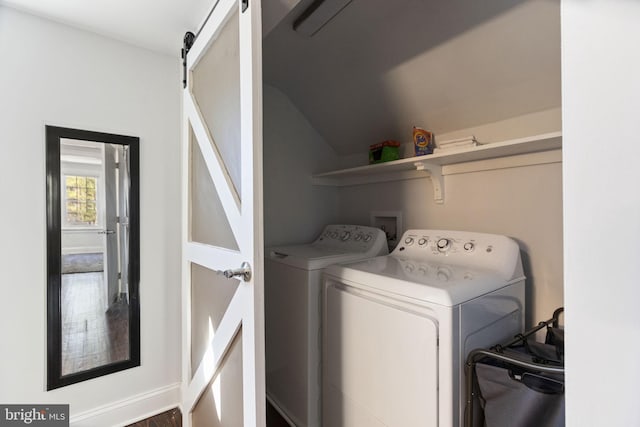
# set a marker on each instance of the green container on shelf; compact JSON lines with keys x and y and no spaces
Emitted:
{"x":384,"y":152}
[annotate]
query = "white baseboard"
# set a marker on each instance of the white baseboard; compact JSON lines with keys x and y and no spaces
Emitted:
{"x":131,"y":409}
{"x":83,"y":250}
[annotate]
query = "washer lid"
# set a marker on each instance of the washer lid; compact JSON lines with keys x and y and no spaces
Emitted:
{"x":311,"y":257}
{"x":442,"y":284}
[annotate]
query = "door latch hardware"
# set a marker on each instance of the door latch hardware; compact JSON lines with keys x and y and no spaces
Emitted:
{"x":244,"y":271}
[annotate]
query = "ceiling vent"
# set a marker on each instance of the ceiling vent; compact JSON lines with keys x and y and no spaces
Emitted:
{"x":317,"y":15}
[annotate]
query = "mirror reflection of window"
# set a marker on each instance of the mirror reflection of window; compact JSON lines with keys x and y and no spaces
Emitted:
{"x":80,"y":200}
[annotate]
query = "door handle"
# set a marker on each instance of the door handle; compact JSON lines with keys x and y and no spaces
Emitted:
{"x":244,"y":271}
{"x":106,"y":232}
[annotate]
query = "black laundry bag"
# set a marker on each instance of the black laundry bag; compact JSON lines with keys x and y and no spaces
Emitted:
{"x":514,"y":397}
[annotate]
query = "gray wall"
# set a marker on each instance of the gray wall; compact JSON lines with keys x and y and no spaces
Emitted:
{"x":294,"y":210}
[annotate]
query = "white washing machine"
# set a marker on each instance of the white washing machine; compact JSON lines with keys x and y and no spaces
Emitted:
{"x":397,"y":328}
{"x":293,"y":282}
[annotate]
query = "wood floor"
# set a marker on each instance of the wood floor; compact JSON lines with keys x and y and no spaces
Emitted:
{"x":91,"y":335}
{"x":274,"y":419}
{"x":173,"y":418}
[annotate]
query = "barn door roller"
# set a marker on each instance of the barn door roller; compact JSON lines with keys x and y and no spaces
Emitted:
{"x":190,"y":38}
{"x":187,"y":42}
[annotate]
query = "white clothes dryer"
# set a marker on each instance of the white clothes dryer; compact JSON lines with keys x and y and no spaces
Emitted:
{"x":397,"y":328}
{"x":293,"y":281}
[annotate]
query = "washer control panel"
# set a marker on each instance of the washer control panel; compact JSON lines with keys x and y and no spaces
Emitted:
{"x":459,"y":247}
{"x":352,"y":238}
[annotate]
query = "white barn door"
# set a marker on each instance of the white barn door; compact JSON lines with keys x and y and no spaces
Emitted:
{"x":222,"y":290}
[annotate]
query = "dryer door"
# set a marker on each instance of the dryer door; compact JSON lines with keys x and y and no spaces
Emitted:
{"x":381,"y":362}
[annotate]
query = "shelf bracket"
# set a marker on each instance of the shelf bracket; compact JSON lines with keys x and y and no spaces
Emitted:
{"x":437,"y":180}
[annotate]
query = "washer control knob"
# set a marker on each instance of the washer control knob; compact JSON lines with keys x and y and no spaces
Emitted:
{"x":368,"y":237}
{"x":422,"y":242}
{"x":345,"y":236}
{"x":469,"y":246}
{"x":334,"y":234}
{"x":443,"y":244}
{"x":358,"y":237}
{"x":408,"y":241}
{"x":443,"y":274}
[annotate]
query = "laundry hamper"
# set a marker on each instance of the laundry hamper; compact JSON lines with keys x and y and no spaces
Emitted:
{"x":520,"y":383}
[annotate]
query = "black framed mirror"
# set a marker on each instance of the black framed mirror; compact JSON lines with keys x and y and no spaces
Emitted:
{"x":93,"y":254}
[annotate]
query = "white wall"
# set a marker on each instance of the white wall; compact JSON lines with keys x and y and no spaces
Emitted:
{"x":81,"y":241}
{"x":294,"y":210}
{"x":522,"y":202}
{"x":601,"y":108}
{"x":53,"y":74}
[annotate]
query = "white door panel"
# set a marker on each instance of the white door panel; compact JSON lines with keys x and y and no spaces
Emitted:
{"x":223,"y":318}
{"x":111,"y":224}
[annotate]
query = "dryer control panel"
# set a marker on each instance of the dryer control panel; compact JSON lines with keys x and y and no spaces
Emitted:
{"x":353,"y":238}
{"x":487,"y":251}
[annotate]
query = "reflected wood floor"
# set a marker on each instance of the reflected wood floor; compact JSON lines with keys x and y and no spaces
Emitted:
{"x":91,"y":335}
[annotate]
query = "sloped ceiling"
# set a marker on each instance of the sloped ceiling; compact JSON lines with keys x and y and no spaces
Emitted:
{"x":381,"y":66}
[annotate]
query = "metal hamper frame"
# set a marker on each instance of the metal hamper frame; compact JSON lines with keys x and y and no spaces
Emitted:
{"x":496,"y":353}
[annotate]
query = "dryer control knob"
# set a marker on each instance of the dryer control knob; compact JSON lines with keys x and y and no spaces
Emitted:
{"x":358,"y":237}
{"x":368,"y":237}
{"x":443,"y":244}
{"x":469,"y":246}
{"x":422,"y":242}
{"x":408,"y":241}
{"x":345,"y":236}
